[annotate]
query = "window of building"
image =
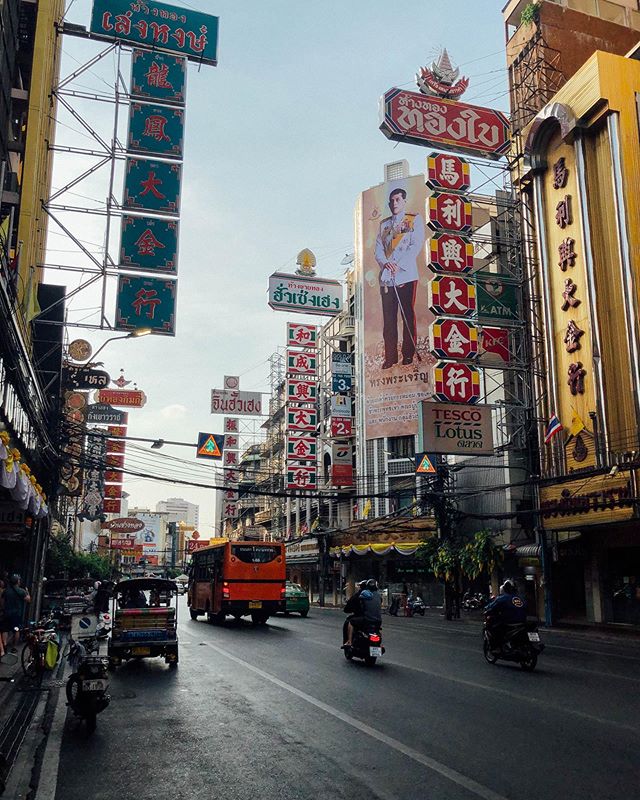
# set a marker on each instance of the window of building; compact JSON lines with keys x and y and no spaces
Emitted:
{"x":401,"y":447}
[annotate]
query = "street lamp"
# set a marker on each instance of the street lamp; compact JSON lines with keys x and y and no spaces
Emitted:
{"x":133,"y":335}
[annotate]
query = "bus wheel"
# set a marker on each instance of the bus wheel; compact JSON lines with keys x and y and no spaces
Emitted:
{"x":259,"y":619}
{"x":193,"y":613}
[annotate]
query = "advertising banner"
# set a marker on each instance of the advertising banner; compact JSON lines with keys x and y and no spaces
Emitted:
{"x":156,"y":130}
{"x":451,"y":428}
{"x":146,"y":303}
{"x":341,"y":364}
{"x":496,"y":297}
{"x":149,"y":536}
{"x":227,"y":401}
{"x":158,"y":76}
{"x":133,"y":398}
{"x":495,"y":346}
{"x":164,"y":27}
{"x":303,"y":295}
{"x":152,"y":186}
{"x":415,"y":118}
{"x":341,"y":406}
{"x":149,"y":245}
{"x":341,"y":464}
{"x":397,"y":362}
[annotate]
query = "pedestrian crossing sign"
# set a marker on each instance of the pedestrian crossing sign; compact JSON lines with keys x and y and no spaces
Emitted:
{"x":210,"y":445}
{"x":425,"y":464}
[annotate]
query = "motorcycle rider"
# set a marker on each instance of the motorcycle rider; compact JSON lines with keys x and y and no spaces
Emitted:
{"x":366,"y":607}
{"x":506,"y":609}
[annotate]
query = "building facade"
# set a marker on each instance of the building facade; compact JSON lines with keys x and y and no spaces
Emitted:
{"x":179,"y":510}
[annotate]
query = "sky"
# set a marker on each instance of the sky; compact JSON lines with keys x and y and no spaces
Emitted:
{"x":280,"y":139}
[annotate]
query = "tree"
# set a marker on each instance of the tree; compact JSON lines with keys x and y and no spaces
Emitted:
{"x":63,"y":561}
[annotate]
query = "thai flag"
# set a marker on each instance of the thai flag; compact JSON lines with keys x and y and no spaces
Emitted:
{"x":554,"y":426}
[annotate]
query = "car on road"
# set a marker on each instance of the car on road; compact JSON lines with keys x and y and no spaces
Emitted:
{"x":297,"y":600}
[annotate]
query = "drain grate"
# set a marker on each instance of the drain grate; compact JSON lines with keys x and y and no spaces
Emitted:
{"x":13,"y":733}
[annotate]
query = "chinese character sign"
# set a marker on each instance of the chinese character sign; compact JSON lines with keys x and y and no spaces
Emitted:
{"x":301,"y":477}
{"x":300,"y":335}
{"x":448,"y":172}
{"x":454,"y":338}
{"x":301,"y":363}
{"x":146,"y":303}
{"x":453,"y":296}
{"x":158,"y":76}
{"x":178,"y":30}
{"x":451,"y":212}
{"x":149,"y":245}
{"x":301,"y":418}
{"x":301,"y":391}
{"x":450,"y":252}
{"x":156,"y":130}
{"x":456,"y":383}
{"x":152,"y":186}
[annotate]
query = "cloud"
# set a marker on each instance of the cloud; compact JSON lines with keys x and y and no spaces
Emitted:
{"x":175,"y":411}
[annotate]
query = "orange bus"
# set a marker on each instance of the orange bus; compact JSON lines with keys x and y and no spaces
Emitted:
{"x":237,"y":578}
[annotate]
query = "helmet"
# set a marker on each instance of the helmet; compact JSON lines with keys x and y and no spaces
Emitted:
{"x":372,"y":584}
{"x":362,"y":584}
{"x":507,"y":588}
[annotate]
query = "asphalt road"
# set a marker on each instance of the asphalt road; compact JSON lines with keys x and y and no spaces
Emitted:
{"x":277,"y":712}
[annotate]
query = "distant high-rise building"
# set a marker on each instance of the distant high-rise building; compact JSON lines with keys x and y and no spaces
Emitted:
{"x":180,"y":510}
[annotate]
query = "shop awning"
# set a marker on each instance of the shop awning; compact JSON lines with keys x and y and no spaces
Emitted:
{"x":528,"y":551}
{"x":378,"y":549}
{"x":17,"y":479}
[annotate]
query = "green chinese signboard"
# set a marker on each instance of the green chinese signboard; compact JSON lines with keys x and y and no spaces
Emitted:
{"x":163,"y":27}
{"x":149,"y":245}
{"x":158,"y":77}
{"x":152,"y":186}
{"x":156,"y":130}
{"x":146,"y":303}
{"x":496,"y":297}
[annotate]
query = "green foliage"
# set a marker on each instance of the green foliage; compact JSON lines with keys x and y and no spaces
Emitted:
{"x":530,"y":14}
{"x":481,"y":553}
{"x":63,"y":561}
{"x":446,"y":557}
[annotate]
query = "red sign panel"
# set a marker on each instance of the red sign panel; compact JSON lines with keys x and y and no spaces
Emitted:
{"x":342,"y":474}
{"x":341,"y":427}
{"x":117,"y":430}
{"x":450,"y":212}
{"x":448,"y":124}
{"x":111,"y":506}
{"x":116,"y":445}
{"x":112,"y":476}
{"x":494,"y":346}
{"x":301,"y":477}
{"x":301,"y":391}
{"x":113,"y":460}
{"x":448,"y":172}
{"x":301,"y":363}
{"x":300,"y":418}
{"x":453,"y":296}
{"x":123,"y":544}
{"x":193,"y":545}
{"x":132,"y":398}
{"x":454,"y":338}
{"x":450,"y":252}
{"x":113,"y":491}
{"x":456,"y":383}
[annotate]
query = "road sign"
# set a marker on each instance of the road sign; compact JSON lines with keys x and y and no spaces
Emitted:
{"x":83,"y":378}
{"x":456,"y":383}
{"x":450,"y":212}
{"x":425,"y":464}
{"x":453,"y":296}
{"x":450,"y":252}
{"x":454,"y":338}
{"x":445,"y":171}
{"x":210,"y":446}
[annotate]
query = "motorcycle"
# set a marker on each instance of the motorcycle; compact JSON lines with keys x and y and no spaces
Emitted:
{"x":471,"y":602}
{"x":367,"y":645}
{"x":520,"y":643}
{"x":87,"y":687}
{"x":416,"y":606}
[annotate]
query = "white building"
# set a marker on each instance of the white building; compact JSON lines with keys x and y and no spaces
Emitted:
{"x":179,"y":510}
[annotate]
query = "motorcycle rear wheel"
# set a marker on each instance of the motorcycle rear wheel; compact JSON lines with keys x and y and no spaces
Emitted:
{"x":348,"y":653}
{"x":529,"y":664}
{"x":490,"y":657}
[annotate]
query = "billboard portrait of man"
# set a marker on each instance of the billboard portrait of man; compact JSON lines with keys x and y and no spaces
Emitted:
{"x":393,"y":279}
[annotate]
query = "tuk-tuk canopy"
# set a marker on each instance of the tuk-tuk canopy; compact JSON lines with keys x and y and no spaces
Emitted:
{"x":144,"y":584}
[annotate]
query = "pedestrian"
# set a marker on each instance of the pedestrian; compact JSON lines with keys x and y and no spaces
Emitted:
{"x":16,"y":600}
{"x":2,"y":618}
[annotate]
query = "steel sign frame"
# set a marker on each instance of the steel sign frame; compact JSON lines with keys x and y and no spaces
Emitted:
{"x":174,"y":29}
{"x":414,"y":118}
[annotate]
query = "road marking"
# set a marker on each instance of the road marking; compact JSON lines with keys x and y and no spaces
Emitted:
{"x":488,"y":688}
{"x":48,"y":780}
{"x":435,"y":766}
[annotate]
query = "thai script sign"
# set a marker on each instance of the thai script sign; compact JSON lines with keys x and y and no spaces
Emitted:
{"x":83,"y":378}
{"x":104,"y":414}
{"x":341,"y":364}
{"x":158,"y":76}
{"x":591,"y":501}
{"x":448,"y":428}
{"x":123,"y":543}
{"x":156,"y":130}
{"x":125,"y":525}
{"x":301,"y":335}
{"x":133,"y":398}
{"x":305,"y":295}
{"x":149,"y":245}
{"x":225,"y":401}
{"x":412,"y":117}
{"x":93,"y":496}
{"x":146,"y":303}
{"x":152,"y":186}
{"x":164,"y":27}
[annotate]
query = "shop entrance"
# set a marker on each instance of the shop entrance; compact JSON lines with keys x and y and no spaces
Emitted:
{"x":623,"y":584}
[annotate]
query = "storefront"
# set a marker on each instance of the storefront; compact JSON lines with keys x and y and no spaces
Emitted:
{"x":303,"y":564}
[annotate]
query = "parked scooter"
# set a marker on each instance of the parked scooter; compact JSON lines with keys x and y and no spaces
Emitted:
{"x":520,"y":643}
{"x":87,"y":687}
{"x":367,"y":645}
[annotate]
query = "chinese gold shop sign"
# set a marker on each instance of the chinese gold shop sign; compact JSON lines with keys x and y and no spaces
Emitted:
{"x":598,"y":500}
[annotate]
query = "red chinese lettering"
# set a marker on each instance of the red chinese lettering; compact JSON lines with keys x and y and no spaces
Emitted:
{"x":560,"y":174}
{"x":566,"y":254}
{"x":147,"y":243}
{"x":575,"y":378}
{"x":572,"y":337}
{"x":146,"y":297}
{"x":563,"y":212}
{"x":568,"y":295}
{"x":154,"y":128}
{"x":123,"y":23}
{"x":160,"y":32}
{"x":150,"y":186}
{"x":157,"y":76}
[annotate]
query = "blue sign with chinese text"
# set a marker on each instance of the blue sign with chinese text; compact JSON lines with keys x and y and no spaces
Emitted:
{"x":156,"y":130}
{"x":146,"y":303}
{"x":149,"y":245}
{"x":152,"y":186}
{"x":178,"y":30}
{"x":158,"y":76}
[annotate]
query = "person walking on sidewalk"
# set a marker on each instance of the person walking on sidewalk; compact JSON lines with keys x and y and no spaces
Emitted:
{"x":15,"y":601}
{"x":2,"y":618}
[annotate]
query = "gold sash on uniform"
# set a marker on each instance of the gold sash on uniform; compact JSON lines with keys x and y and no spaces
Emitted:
{"x":392,"y":235}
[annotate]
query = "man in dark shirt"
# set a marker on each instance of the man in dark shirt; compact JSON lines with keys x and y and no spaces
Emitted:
{"x":366,"y":606}
{"x":507,"y":609}
{"x":15,"y":600}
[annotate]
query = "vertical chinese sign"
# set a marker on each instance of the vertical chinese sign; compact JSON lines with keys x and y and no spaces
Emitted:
{"x":301,"y":407}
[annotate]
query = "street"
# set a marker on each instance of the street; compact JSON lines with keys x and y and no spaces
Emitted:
{"x":277,"y":712}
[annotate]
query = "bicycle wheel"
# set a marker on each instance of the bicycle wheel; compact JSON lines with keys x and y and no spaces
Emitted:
{"x":30,"y":660}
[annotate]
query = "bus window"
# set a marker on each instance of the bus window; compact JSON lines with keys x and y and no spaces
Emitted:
{"x":255,"y":554}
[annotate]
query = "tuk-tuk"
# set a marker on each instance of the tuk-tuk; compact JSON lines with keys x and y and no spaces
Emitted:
{"x":145,"y":621}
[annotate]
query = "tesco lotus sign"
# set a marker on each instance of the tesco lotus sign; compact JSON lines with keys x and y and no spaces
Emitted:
{"x":125,"y":525}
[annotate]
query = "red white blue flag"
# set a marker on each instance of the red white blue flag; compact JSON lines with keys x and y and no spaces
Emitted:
{"x":554,"y":426}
